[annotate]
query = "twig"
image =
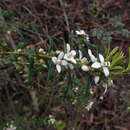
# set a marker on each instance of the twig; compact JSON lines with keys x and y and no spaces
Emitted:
{"x":65,"y":15}
{"x":33,"y":95}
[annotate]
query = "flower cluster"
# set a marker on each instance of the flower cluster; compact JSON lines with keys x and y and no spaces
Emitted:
{"x":10,"y":126}
{"x":97,"y":66}
{"x":68,"y":60}
{"x":51,"y":119}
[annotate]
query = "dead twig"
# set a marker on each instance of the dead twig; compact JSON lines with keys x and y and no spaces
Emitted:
{"x":65,"y":15}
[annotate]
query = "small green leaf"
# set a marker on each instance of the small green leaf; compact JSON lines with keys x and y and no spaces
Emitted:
{"x":111,"y":53}
{"x":9,"y":60}
{"x":117,"y":59}
{"x":60,"y":125}
{"x":20,"y":45}
{"x":128,"y":68}
{"x":30,"y":51}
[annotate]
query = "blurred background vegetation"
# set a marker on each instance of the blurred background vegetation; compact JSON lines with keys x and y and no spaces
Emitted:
{"x":30,"y":92}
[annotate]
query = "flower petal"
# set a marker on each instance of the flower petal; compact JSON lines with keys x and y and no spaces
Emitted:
{"x":106,"y":71}
{"x":54,"y":59}
{"x":84,"y":59}
{"x":85,"y":68}
{"x":58,"y":67}
{"x":96,"y":65}
{"x":101,"y":58}
{"x":80,"y":55}
{"x":89,"y":52}
{"x":108,"y":63}
{"x":68,"y":48}
{"x":73,"y":52}
{"x":82,"y":32}
{"x":105,"y":86}
{"x":65,"y":57}
{"x":96,"y":79}
{"x":77,"y":32}
{"x":92,"y":57}
{"x":60,"y":56}
{"x":64,"y":62}
{"x":73,"y":60}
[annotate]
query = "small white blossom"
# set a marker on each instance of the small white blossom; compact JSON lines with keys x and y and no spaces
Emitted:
{"x":128,"y":108}
{"x":41,"y":50}
{"x":89,"y":106}
{"x":51,"y":120}
{"x":102,"y":64}
{"x":101,"y":97}
{"x":75,"y":89}
{"x":80,"y":32}
{"x":11,"y":127}
{"x":74,"y":102}
{"x":69,"y":56}
{"x":59,"y":61}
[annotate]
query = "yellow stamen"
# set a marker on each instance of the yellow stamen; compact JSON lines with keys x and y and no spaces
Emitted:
{"x":58,"y":61}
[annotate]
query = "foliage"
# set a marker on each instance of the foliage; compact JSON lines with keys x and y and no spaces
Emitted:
{"x":67,"y":78}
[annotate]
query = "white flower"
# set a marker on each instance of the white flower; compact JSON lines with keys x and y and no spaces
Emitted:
{"x":58,"y":61}
{"x":102,"y":64}
{"x":80,"y":32}
{"x":52,"y":120}
{"x":11,"y":127}
{"x":69,"y":56}
{"x":41,"y":50}
{"x":101,"y":97}
{"x":92,"y":57}
{"x":75,"y":89}
{"x":96,"y":79}
{"x":89,"y":106}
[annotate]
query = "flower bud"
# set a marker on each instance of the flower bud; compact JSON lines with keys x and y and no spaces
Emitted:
{"x":85,"y":68}
{"x":58,"y":51}
{"x":19,"y":50}
{"x":41,"y":60}
{"x":41,"y":50}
